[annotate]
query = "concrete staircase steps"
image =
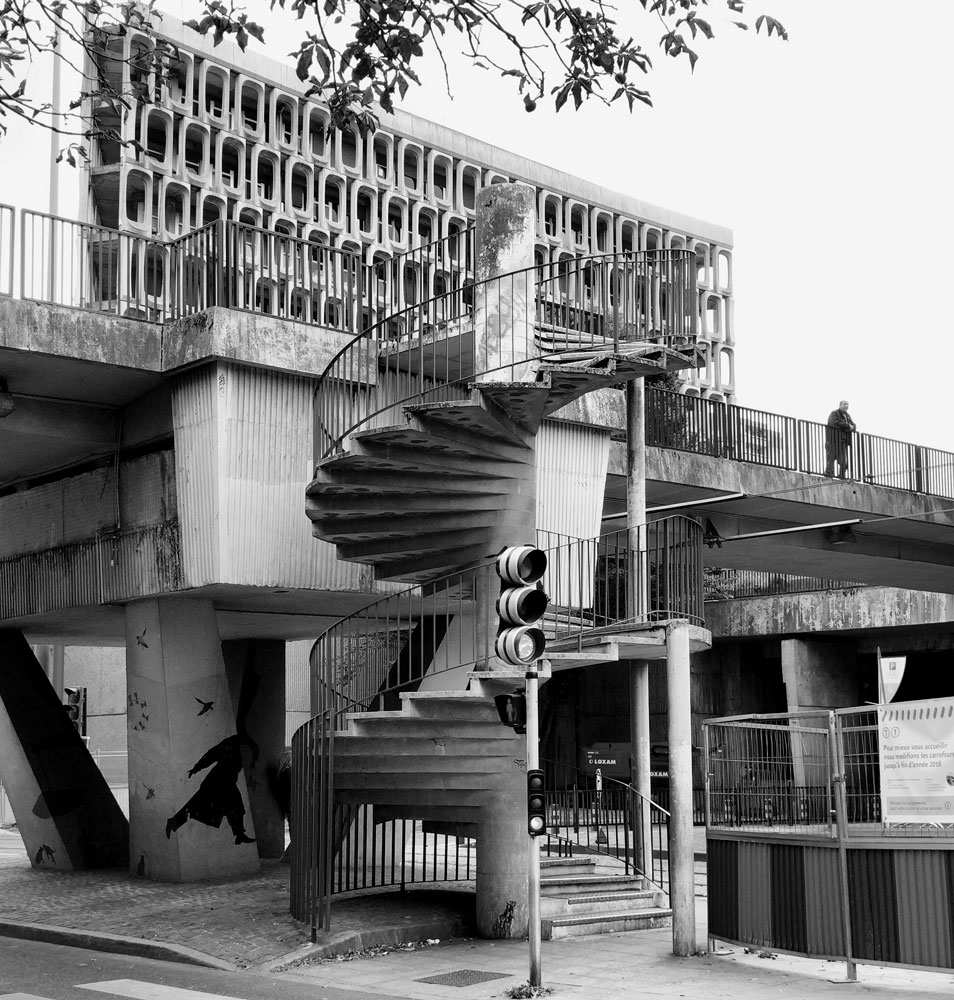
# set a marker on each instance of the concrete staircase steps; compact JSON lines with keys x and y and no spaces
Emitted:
{"x":582,"y":885}
{"x":394,"y":767}
{"x":604,"y":923}
{"x":600,"y":902}
{"x":433,"y":779}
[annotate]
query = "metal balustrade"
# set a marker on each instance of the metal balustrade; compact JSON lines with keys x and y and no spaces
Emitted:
{"x":722,"y":430}
{"x":736,"y":584}
{"x":7,"y":253}
{"x":430,"y":350}
{"x":366,"y":661}
{"x":614,"y":820}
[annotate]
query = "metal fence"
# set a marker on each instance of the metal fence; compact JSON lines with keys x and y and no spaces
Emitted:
{"x":7,"y":251}
{"x":733,"y":584}
{"x":724,"y":430}
{"x":83,"y":266}
{"x":799,"y":858}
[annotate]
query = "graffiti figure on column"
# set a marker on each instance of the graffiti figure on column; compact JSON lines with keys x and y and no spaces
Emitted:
{"x":218,"y":797}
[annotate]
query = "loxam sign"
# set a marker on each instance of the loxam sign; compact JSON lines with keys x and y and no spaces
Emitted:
{"x":611,"y":759}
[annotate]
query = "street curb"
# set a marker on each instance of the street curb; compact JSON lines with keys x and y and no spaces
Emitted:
{"x":114,"y":943}
{"x":347,"y":941}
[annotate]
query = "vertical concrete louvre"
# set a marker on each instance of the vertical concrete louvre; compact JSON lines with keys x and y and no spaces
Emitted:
{"x":188,"y":802}
{"x":64,"y":809}
{"x":819,"y":674}
{"x":503,"y":325}
{"x":681,"y":881}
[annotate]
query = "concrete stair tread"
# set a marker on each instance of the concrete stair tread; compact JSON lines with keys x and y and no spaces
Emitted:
{"x":574,"y":861}
{"x":634,"y":895}
{"x":599,"y":918}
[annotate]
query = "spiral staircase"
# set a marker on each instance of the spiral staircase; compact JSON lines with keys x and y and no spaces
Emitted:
{"x":424,"y":478}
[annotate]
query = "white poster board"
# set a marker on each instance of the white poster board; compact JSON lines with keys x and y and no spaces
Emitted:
{"x":917,"y":761}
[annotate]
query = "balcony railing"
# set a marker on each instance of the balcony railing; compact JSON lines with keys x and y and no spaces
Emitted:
{"x":431,"y":349}
{"x":735,"y":584}
{"x":723,"y":430}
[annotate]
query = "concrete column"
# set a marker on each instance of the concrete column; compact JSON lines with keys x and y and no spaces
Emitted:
{"x":681,"y":860}
{"x":816,"y":675}
{"x":502,"y":859}
{"x":256,"y":673}
{"x":64,"y":808}
{"x":504,"y":309}
{"x":640,"y":748}
{"x":188,"y":801}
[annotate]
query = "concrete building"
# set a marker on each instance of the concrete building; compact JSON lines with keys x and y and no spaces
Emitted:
{"x":175,"y":383}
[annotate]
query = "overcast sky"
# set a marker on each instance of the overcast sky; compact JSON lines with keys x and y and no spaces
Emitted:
{"x":828,"y":157}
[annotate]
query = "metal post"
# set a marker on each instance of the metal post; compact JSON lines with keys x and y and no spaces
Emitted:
{"x":841,"y":824}
{"x":533,"y":853}
{"x":681,"y":856}
{"x":637,"y":607}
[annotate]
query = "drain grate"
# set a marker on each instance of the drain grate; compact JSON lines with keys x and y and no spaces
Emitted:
{"x":464,"y":977}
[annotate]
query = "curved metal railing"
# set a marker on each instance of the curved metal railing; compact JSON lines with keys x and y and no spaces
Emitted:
{"x":366,"y":661}
{"x":430,"y":350}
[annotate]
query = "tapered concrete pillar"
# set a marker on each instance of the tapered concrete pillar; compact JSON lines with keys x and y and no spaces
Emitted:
{"x":504,"y":309}
{"x":502,"y":859}
{"x":188,"y":801}
{"x":65,"y":811}
{"x":256,"y":673}
{"x":681,"y":859}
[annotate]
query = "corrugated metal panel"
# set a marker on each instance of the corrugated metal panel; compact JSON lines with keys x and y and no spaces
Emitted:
{"x":298,"y":676}
{"x":722,"y":879}
{"x":924,"y":921}
{"x":109,"y":568}
{"x":571,"y":478}
{"x":755,"y":893}
{"x":825,"y":931}
{"x":243,"y":459}
{"x":193,"y":422}
{"x":874,"y":906}
{"x":788,"y":897}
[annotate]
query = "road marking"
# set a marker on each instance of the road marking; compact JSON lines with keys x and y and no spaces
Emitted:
{"x":20,"y":996}
{"x":137,"y":990}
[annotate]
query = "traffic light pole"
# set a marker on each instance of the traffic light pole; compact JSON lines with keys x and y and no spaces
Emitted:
{"x":533,"y":850}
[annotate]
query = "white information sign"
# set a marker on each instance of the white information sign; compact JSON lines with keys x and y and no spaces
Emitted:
{"x":917,"y":761}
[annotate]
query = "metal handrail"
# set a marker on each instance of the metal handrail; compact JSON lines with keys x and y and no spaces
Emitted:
{"x":627,"y":823}
{"x":738,"y":584}
{"x":429,"y":350}
{"x":365,"y":660}
{"x":724,"y":430}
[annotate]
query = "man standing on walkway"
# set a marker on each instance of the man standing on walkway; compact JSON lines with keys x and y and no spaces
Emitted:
{"x":838,"y":440}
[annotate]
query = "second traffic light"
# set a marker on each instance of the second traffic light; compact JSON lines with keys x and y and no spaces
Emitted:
{"x":74,"y":700}
{"x":536,"y":803}
{"x":521,"y":604}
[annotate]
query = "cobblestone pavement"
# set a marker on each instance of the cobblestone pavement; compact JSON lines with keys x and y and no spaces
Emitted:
{"x":242,"y":920}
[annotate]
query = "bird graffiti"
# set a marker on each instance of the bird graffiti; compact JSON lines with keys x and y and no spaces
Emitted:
{"x":207,"y":706}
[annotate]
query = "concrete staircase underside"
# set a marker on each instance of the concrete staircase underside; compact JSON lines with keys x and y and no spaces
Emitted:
{"x":419,"y":499}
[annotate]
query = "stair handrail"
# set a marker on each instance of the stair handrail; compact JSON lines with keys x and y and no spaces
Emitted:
{"x":366,"y":659}
{"x":601,"y":301}
{"x":641,"y":825}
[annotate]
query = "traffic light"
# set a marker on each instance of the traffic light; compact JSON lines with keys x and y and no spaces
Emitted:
{"x":536,"y":804}
{"x":74,"y":699}
{"x":512,"y":709}
{"x":521,"y":603}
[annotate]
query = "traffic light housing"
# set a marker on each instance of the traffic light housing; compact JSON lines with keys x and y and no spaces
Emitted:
{"x":512,"y":709}
{"x":521,"y":603}
{"x":536,"y":803}
{"x":74,"y":700}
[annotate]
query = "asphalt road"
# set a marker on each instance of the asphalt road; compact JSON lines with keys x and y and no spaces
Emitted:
{"x":33,"y":971}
